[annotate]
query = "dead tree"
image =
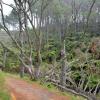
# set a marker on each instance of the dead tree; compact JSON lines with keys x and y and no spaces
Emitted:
{"x":88,"y":16}
{"x":23,"y":8}
{"x":63,"y":66}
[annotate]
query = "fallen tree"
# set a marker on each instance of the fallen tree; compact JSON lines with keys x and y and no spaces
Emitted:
{"x":77,"y":91}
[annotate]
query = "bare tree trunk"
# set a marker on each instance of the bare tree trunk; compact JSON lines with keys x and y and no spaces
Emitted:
{"x":36,"y":72}
{"x":21,"y":37}
{"x":38,"y":63}
{"x":88,"y":16}
{"x":63,"y":66}
{"x":22,"y":68}
{"x":4,"y":57}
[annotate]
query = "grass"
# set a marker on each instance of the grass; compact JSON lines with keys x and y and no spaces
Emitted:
{"x":4,"y":95}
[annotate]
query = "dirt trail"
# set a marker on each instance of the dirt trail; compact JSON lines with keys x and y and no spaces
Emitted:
{"x":21,"y":90}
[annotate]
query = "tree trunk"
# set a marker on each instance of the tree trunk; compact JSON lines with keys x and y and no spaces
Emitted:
{"x":4,"y":58}
{"x":22,"y":68}
{"x":30,"y":71}
{"x":38,"y":64}
{"x":63,"y":66}
{"x":36,"y":72}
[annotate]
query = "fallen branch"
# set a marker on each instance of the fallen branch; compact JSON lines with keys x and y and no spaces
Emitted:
{"x":76,"y":92}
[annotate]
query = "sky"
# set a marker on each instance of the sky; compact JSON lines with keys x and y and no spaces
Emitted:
{"x":7,"y":9}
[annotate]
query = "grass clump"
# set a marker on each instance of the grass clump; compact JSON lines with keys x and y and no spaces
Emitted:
{"x":4,"y":95}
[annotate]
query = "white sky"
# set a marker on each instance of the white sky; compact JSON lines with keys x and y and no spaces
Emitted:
{"x":7,"y":9}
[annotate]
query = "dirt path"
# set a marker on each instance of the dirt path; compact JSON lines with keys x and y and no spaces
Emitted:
{"x":21,"y":90}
